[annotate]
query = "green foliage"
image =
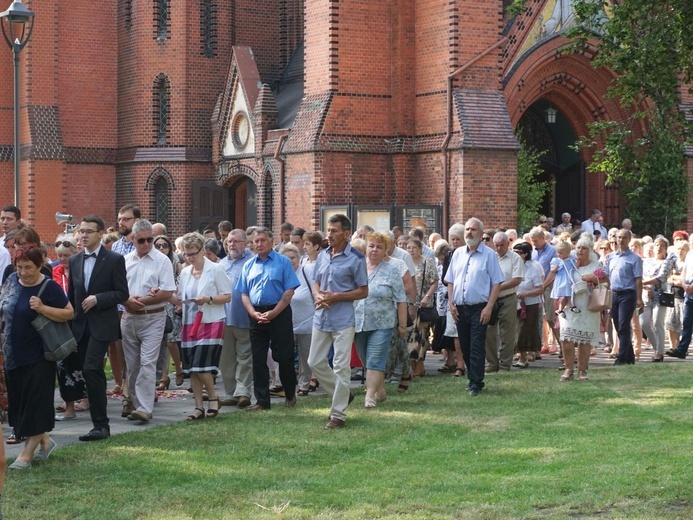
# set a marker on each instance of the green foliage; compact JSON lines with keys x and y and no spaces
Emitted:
{"x":648,"y":44}
{"x":530,"y":190}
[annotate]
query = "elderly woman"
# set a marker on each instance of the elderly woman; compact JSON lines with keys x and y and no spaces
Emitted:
{"x":529,"y":294}
{"x":440,"y":341}
{"x":164,"y":245}
{"x":456,"y":237}
{"x":655,"y":274}
{"x":302,"y":311}
{"x":377,"y":316}
{"x":426,"y":279}
{"x":581,"y":329}
{"x":203,"y":290}
{"x":70,"y":380}
{"x":212,"y":249}
{"x":674,"y":318}
{"x":30,"y":378}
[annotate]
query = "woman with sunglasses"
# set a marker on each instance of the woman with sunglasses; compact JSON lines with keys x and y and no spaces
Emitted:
{"x":70,"y":380}
{"x":203,"y":290}
{"x":174,"y":312}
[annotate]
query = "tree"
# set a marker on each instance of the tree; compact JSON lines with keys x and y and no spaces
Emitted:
{"x":648,"y":43}
{"x":530,"y":191}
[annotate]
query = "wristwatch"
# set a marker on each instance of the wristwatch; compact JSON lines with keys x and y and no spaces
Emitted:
{"x":210,"y":300}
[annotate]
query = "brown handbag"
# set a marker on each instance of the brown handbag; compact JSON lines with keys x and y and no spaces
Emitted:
{"x":600,"y":299}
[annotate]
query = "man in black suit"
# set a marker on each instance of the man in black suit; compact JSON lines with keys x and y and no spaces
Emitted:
{"x":97,"y":284}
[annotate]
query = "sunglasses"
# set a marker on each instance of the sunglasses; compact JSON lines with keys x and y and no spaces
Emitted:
{"x":192,"y":255}
{"x":64,"y":244}
{"x":486,"y":239}
{"x":162,"y":245}
{"x":143,"y":240}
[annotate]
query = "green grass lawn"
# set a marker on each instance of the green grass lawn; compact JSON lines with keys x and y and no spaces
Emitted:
{"x":529,"y":446}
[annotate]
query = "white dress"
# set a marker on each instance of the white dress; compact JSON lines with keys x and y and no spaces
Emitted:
{"x":582,"y":327}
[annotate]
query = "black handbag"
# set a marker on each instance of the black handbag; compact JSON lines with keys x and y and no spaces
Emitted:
{"x":426,"y":314}
{"x":58,"y":340}
{"x":666,"y":299}
{"x":168,"y":327}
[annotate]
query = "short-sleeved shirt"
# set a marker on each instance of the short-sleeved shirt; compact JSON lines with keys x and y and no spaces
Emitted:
{"x":513,"y":267}
{"x":544,"y":257}
{"x":385,"y":290}
{"x":473,"y":275}
{"x":623,"y":268}
{"x":265,"y":281}
{"x":563,"y":280}
{"x":236,"y":315}
{"x":302,"y":304}
{"x":344,"y":272}
{"x":533,"y":279}
{"x":22,"y":344}
{"x":122,"y":247}
{"x":152,"y":271}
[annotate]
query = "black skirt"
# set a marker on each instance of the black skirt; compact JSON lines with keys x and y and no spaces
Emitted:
{"x":30,"y":392}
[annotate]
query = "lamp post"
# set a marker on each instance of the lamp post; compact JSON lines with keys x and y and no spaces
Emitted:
{"x":14,"y":23}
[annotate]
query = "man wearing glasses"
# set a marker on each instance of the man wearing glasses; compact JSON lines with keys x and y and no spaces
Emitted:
{"x":236,"y":362}
{"x":96,"y":285}
{"x":150,"y":284}
{"x":127,"y":216}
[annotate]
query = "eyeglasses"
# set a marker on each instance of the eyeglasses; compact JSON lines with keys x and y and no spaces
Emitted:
{"x":162,"y":245}
{"x":192,"y":255}
{"x":486,"y":239}
{"x":86,"y":231}
{"x":603,"y":248}
{"x":143,"y":240}
{"x":236,"y":241}
{"x":64,"y":244}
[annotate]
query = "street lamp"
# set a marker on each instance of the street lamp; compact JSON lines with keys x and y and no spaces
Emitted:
{"x":14,"y":23}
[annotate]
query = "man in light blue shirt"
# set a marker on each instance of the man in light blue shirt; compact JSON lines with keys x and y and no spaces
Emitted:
{"x":543,"y":253}
{"x":340,"y":278}
{"x":624,"y":268}
{"x":236,"y":362}
{"x":267,"y":284}
{"x":474,"y":279}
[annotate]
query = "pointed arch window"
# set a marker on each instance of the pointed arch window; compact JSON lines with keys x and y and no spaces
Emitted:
{"x":208,"y":27}
{"x":162,"y":106}
{"x":161,"y":200}
{"x":161,"y":19}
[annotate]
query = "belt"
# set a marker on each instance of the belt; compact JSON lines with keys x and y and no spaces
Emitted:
{"x":264,"y":308}
{"x":506,"y":296}
{"x":475,"y":306}
{"x":624,"y":291}
{"x":147,"y":311}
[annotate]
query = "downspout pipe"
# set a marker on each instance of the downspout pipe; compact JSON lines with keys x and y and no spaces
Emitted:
{"x":282,"y":169}
{"x":448,"y":135}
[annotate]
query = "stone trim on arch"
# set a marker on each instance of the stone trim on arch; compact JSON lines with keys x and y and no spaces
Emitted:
{"x":229,"y":172}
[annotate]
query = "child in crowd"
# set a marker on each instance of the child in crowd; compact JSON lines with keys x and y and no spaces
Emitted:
{"x":562,"y":269}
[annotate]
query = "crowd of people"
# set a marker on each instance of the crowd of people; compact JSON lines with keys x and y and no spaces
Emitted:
{"x":284,"y":319}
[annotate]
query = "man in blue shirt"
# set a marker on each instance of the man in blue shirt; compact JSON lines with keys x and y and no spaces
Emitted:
{"x":624,"y":268}
{"x":236,"y":362}
{"x":340,"y":278}
{"x":543,"y":253}
{"x":474,"y":279}
{"x":267,"y":284}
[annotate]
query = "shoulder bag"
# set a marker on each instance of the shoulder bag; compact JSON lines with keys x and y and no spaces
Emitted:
{"x":58,"y":340}
{"x":426,"y":314}
{"x":600,"y":299}
{"x":666,"y":299}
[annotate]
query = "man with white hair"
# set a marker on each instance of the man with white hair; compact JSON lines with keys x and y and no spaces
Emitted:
{"x":565,"y":226}
{"x":499,"y":355}
{"x":474,"y":280}
{"x":543,"y":253}
{"x":627,"y":224}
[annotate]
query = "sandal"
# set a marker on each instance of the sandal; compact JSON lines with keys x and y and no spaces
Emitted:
{"x":314,"y":384}
{"x":404,"y":384}
{"x":446,"y":369}
{"x":582,"y":375}
{"x":80,"y":406}
{"x":303,"y":392}
{"x":195,"y":417}
{"x":180,"y":378}
{"x":459,"y":372}
{"x":212,"y":412}
{"x":116,"y":390}
{"x":13,"y":439}
{"x":568,"y":376}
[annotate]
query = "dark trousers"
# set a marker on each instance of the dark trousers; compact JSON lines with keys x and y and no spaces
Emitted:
{"x":472,"y":336}
{"x":280,"y":333}
{"x":622,"y":307}
{"x":91,"y":354}
{"x":687,"y":331}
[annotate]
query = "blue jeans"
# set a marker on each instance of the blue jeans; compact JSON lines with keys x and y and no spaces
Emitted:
{"x":472,"y":336}
{"x":373,"y":347}
{"x":687,"y":331}
{"x":622,"y":308}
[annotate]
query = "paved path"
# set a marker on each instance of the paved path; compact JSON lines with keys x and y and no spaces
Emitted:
{"x":176,"y":404}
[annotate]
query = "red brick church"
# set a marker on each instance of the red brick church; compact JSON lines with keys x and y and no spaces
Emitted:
{"x":397,"y":112}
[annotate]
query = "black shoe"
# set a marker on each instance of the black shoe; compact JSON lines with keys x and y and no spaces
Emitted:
{"x":97,"y":434}
{"x":351,"y":396}
{"x":619,"y":362}
{"x":675,"y":353}
{"x":473,"y":392}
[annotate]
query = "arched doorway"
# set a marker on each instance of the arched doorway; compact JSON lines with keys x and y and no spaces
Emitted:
{"x":243,"y":203}
{"x":563,"y":168}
